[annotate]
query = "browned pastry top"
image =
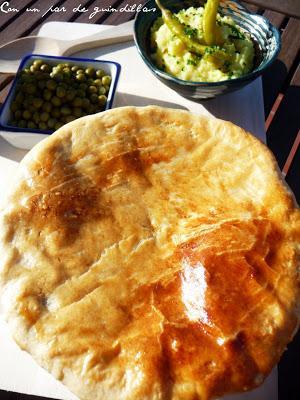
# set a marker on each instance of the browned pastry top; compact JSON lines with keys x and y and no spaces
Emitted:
{"x":151,"y":254}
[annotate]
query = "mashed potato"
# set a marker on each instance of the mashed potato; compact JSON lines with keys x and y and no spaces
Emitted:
{"x":173,"y":56}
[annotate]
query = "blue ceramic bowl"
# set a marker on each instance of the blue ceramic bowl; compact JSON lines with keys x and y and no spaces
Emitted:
{"x":264,"y":35}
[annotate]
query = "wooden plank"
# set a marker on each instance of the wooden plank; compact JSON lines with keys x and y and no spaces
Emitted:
{"x":100,"y":16}
{"x":284,"y":127}
{"x":5,"y":79}
{"x":275,"y":76}
{"x":293,"y":180}
{"x":68,"y":16}
{"x":296,"y":77}
{"x":26,"y":22}
{"x":4,"y":93}
{"x":287,"y":7}
{"x":119,"y":17}
{"x":274,"y":17}
{"x":251,"y":7}
{"x":6,"y":18}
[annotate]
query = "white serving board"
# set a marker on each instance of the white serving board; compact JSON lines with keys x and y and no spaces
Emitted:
{"x":137,"y":86}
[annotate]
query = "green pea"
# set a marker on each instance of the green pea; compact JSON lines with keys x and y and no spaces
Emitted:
{"x":36,"y":117}
{"x":56,"y":101}
{"x":18,"y":115}
{"x":100,"y":73}
{"x":67,"y":73}
{"x":37,"y":102}
{"x":19,"y":97}
{"x":45,"y":68}
{"x":80,"y":77}
{"x":58,"y":125}
{"x":70,"y":95}
{"x":31,"y":125}
{"x":69,"y":118}
{"x":85,"y":103}
{"x":44,"y":116}
{"x":47,"y":94}
{"x":55,"y":112}
{"x":97,"y":82}
{"x":77,"y":112}
{"x":94,"y":98}
{"x":106,"y":80}
{"x":80,"y":71}
{"x":13,"y":123}
{"x":75,"y":68}
{"x":38,"y":63}
{"x":102,"y":90}
{"x":43,"y":126}
{"x":83,"y":86}
{"x":51,"y":84}
{"x":42,"y":84}
{"x":60,"y":92}
{"x":22,"y":123}
{"x":47,"y":107}
{"x":30,"y":88}
{"x":14,"y":106}
{"x":58,"y":76}
{"x":33,"y":68}
{"x":80,"y":93}
{"x":90,"y":72}
{"x":27,"y":114}
{"x":77,"y":102}
{"x":31,"y":109}
{"x":92,"y":89}
{"x":106,"y":88}
{"x":65,"y":110}
{"x":102,"y":100}
{"x":51,"y":123}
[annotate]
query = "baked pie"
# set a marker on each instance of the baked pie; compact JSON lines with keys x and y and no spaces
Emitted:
{"x":149,"y":253}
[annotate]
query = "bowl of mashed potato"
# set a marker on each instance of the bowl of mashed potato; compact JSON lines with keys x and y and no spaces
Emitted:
{"x":200,"y":54}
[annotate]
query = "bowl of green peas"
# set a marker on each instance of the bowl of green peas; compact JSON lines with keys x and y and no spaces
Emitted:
{"x":49,"y":92}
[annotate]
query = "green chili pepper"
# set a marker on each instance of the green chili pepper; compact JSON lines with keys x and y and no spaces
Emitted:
{"x":209,"y":21}
{"x":178,"y":29}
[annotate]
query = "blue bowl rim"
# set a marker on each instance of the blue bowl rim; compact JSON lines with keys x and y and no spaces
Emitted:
{"x":9,"y":128}
{"x":247,"y":77}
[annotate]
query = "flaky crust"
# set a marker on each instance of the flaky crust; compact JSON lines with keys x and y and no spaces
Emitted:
{"x":149,"y":253}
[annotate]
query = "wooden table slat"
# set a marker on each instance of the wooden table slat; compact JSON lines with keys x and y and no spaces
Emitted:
{"x":120,"y":17}
{"x":287,"y":7}
{"x":101,"y":16}
{"x":274,"y":17}
{"x":250,"y":7}
{"x":275,"y":76}
{"x":285,"y":125}
{"x":5,"y":79}
{"x":9,"y":17}
{"x":296,"y":77}
{"x":293,"y":180}
{"x":67,"y":16}
{"x":27,"y":22}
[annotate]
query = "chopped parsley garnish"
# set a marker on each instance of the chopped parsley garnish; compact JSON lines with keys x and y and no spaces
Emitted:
{"x":190,"y":61}
{"x":190,"y":32}
{"x":235,"y":32}
{"x":212,"y":49}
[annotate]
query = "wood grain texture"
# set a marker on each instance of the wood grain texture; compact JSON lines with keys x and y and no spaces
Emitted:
{"x":68,"y":16}
{"x":275,"y":76}
{"x":287,"y":7}
{"x":274,"y":17}
{"x":26,"y":22}
{"x":6,"y":18}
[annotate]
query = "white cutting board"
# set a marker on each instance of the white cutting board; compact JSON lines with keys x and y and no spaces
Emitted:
{"x":137,"y":86}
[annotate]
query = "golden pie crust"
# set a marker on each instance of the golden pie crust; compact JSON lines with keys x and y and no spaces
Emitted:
{"x":149,"y":253}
